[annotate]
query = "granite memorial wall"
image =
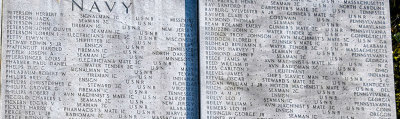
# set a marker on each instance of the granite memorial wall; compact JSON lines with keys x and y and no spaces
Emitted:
{"x":320,"y":59}
{"x":92,"y":59}
{"x":209,"y":59}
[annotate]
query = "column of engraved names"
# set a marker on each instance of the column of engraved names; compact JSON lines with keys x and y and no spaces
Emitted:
{"x":181,"y":55}
{"x":297,"y":59}
{"x":90,"y":49}
{"x":32,"y":47}
{"x":184,"y":85}
{"x":369,"y":24}
{"x":228,"y":44}
{"x":122,"y":60}
{"x":114,"y":69}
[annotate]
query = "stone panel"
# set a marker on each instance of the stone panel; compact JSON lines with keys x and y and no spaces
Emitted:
{"x":280,"y":59}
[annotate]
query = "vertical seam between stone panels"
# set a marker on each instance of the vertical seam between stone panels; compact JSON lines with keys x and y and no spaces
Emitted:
{"x":1,"y":54}
{"x":198,"y":57}
{"x":1,"y":47}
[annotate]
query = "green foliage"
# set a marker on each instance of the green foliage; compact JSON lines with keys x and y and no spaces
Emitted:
{"x":395,"y":18}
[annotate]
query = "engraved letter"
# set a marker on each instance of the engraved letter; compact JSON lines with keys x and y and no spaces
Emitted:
{"x":74,"y":3}
{"x":127,"y":7}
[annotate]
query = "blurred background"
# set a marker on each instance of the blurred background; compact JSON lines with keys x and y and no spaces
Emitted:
{"x":395,"y":18}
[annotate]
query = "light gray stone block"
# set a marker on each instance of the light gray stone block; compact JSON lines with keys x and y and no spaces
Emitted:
{"x":280,"y":59}
{"x":96,"y":59}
